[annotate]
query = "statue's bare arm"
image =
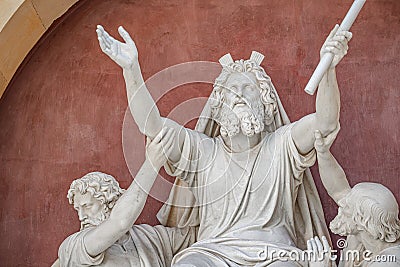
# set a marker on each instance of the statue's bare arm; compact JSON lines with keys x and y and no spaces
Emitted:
{"x":141,"y":103}
{"x":332,"y":175}
{"x":326,"y":117}
{"x":129,"y":206}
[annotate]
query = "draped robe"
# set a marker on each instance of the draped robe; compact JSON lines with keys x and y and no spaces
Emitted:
{"x":246,"y":201}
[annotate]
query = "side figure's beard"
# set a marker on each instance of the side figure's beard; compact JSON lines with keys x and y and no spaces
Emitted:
{"x":248,"y":120}
{"x":341,"y":225}
{"x":92,"y":222}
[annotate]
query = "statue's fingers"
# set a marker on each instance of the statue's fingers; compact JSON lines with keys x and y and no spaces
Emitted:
{"x":158,"y":137}
{"x":336,"y":44}
{"x":314,"y":245}
{"x":102,"y":44}
{"x":110,"y":40}
{"x":318,"y":243}
{"x":104,"y":47}
{"x":166,"y":144}
{"x":333,"y":31}
{"x":317,"y":135}
{"x":125,"y":35}
{"x":99,"y":30}
{"x":333,"y":50}
{"x":101,"y":34}
{"x":341,"y":42}
{"x":325,"y":244}
{"x":309,"y":247}
{"x":168,"y":138}
{"x":342,"y":46}
{"x":326,"y":50}
{"x":330,"y":138}
{"x":340,"y":39}
{"x":106,"y":36}
{"x":169,"y":147}
{"x":348,"y":35}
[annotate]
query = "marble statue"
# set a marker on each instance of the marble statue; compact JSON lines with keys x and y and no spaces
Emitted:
{"x":367,"y":214}
{"x":319,"y":252}
{"x":107,"y":213}
{"x":245,"y":167}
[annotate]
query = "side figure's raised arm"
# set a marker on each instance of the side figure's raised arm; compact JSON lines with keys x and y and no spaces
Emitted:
{"x":326,"y":117}
{"x":129,"y":206}
{"x":332,"y":175}
{"x":141,"y":103}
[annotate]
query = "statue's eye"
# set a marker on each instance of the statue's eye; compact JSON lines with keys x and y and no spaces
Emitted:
{"x":249,"y":87}
{"x":233,"y":88}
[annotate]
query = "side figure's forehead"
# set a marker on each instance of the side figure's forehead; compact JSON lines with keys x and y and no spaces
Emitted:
{"x":83,"y":199}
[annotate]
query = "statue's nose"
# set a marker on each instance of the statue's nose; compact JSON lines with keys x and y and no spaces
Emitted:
{"x":239,"y":93}
{"x":81,"y":215}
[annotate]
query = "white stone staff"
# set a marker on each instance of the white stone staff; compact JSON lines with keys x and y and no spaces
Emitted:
{"x":326,"y":60}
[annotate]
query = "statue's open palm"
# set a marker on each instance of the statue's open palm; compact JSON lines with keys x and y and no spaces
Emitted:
{"x":124,"y":54}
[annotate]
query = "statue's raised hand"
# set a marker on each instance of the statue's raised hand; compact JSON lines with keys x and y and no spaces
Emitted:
{"x":337,"y":44}
{"x":124,"y":54}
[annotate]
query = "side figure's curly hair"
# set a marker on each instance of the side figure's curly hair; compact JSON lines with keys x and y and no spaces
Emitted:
{"x":375,"y":210}
{"x":102,"y":186}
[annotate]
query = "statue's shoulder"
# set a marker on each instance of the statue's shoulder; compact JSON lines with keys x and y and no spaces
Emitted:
{"x":283,"y":130}
{"x":71,"y":240}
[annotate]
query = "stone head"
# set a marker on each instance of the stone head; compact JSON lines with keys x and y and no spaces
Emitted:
{"x":369,"y":207}
{"x":243,"y":98}
{"x":93,"y":196}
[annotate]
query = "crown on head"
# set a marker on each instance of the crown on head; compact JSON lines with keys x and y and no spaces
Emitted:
{"x":226,"y":59}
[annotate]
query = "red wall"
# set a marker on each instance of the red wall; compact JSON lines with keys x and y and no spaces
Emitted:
{"x":62,"y":116}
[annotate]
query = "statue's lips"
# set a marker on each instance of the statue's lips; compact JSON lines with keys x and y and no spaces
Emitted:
{"x":85,"y":224}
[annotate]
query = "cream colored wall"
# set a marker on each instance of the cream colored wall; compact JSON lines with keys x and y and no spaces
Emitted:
{"x":22,"y":23}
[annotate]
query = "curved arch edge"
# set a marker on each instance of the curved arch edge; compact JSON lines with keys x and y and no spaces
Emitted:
{"x":22,"y":24}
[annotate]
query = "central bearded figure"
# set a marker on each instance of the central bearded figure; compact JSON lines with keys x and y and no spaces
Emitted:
{"x":245,"y":165}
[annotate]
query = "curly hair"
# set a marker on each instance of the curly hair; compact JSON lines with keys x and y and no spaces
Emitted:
{"x":370,"y":211}
{"x":102,"y":186}
{"x":267,"y":90}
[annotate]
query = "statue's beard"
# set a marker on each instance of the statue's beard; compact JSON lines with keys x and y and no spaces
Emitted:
{"x":92,"y":222}
{"x":248,"y":120}
{"x":342,"y":226}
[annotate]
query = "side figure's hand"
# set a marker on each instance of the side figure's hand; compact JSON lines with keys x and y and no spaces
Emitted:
{"x":323,"y":144}
{"x":159,"y":150}
{"x":320,"y":252}
{"x":337,"y":44}
{"x":124,"y":54}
